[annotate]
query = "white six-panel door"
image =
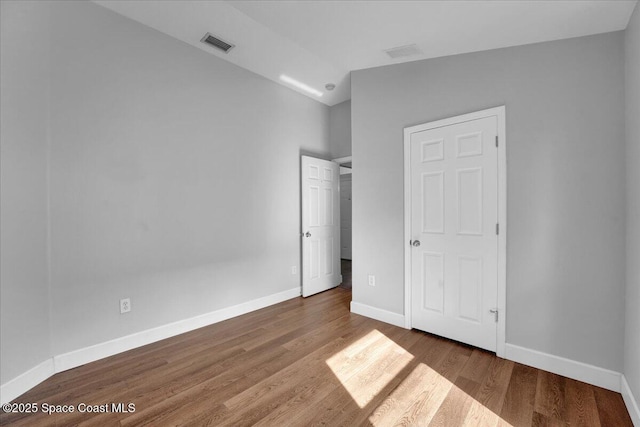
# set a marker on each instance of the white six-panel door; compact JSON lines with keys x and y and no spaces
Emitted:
{"x":454,"y":241}
{"x":320,"y":225}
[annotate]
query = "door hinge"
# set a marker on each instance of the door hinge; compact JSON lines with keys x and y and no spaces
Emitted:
{"x":497,"y":229}
{"x":496,"y":140}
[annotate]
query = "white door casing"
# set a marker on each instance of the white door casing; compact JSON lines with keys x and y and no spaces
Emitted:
{"x":320,"y":225}
{"x":455,"y":191}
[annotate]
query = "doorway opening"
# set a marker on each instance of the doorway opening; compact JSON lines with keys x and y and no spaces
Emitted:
{"x":346,"y":174}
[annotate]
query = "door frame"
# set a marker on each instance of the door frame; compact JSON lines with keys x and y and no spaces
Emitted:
{"x":500,"y":114}
{"x":344,"y":170}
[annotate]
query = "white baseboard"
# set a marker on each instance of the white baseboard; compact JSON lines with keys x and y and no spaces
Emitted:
{"x":73,"y":359}
{"x":86,"y":355}
{"x":630,"y":401}
{"x":34,"y":376}
{"x":566,"y":367}
{"x":378,"y":314}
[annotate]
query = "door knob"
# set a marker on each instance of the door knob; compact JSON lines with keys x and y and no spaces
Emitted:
{"x":416,"y":243}
{"x":307,"y":234}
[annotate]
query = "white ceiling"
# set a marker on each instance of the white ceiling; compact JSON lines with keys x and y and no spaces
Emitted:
{"x":319,"y":42}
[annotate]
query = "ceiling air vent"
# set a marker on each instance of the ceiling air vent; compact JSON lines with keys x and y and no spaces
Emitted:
{"x":402,"y":51}
{"x":212,"y":40}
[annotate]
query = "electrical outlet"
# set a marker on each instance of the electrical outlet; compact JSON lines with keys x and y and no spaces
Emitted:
{"x":125,"y":305}
{"x":372,"y":280}
{"x":294,"y":269}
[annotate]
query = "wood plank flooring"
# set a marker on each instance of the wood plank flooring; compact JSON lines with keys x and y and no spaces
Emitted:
{"x":309,"y":362}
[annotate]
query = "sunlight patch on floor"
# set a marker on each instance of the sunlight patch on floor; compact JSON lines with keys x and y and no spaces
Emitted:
{"x":427,"y":390}
{"x":365,"y":367}
{"x":423,"y":386}
{"x":480,"y":415}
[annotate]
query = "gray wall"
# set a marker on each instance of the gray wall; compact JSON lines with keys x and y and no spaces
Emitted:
{"x":565,"y":151}
{"x":340,"y":129}
{"x":24,"y":291}
{"x":174,"y":180}
{"x":632,"y":92}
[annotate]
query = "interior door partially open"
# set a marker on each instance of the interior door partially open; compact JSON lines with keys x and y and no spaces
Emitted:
{"x":320,"y":225}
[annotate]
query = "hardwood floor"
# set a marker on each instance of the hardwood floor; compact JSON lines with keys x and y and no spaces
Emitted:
{"x":311,"y":362}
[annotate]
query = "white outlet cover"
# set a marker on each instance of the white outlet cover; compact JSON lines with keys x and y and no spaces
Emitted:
{"x":294,"y":270}
{"x":125,"y":305}
{"x":372,"y":280}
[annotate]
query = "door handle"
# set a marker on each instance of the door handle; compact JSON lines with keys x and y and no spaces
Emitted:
{"x":416,"y":243}
{"x":307,"y":234}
